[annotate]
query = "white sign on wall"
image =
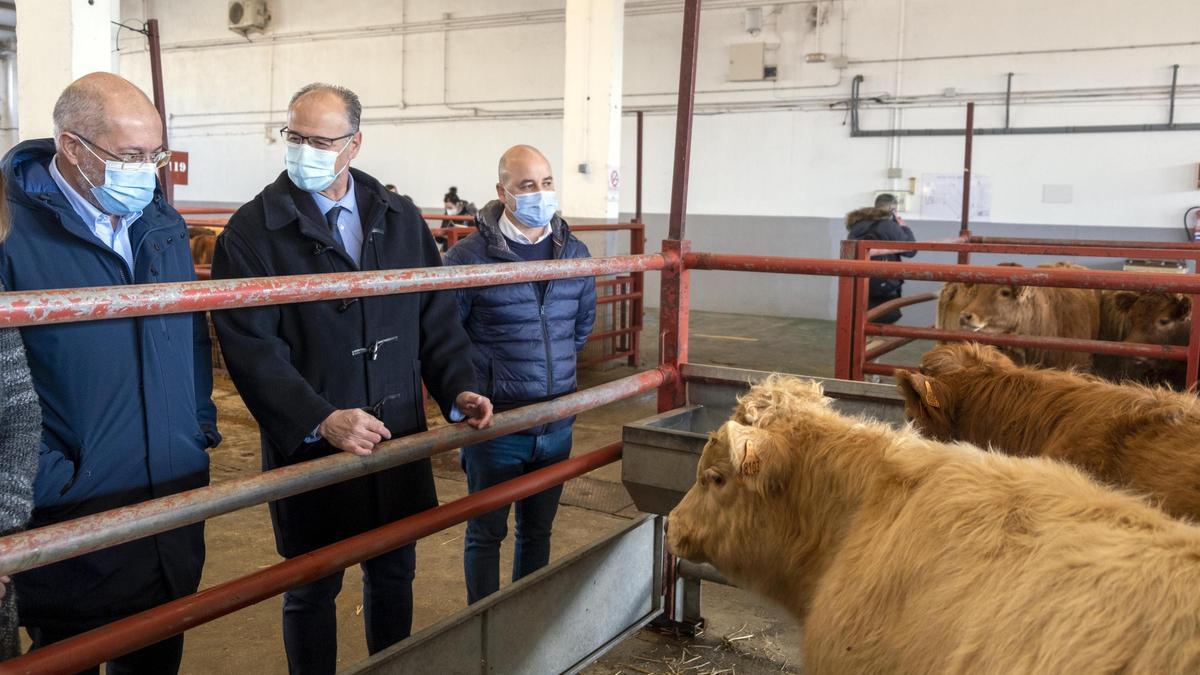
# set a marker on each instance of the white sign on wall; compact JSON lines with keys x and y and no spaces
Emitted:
{"x":614,"y":184}
{"x":942,"y":193}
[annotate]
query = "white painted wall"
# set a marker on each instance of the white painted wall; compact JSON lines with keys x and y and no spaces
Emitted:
{"x":777,"y":150}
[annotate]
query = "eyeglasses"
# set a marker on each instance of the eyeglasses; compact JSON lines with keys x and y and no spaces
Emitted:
{"x":318,"y":142}
{"x":133,"y":159}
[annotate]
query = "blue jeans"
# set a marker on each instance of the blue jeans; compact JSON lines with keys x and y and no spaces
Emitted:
{"x":310,"y":621}
{"x":496,"y":461}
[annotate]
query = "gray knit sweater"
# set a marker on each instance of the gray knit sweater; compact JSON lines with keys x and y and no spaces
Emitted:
{"x":20,"y":440}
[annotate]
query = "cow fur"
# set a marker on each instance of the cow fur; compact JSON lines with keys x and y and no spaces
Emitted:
{"x":1146,"y":439}
{"x":202,"y":243}
{"x":900,"y":554}
{"x":1011,"y":309}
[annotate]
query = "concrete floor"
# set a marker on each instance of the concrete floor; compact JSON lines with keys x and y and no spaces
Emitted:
{"x":743,"y":634}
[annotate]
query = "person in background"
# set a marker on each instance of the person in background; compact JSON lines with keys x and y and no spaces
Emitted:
{"x":880,"y":222}
{"x":127,"y":411}
{"x":526,"y":337}
{"x":20,"y":438}
{"x":345,"y":374}
{"x":456,"y":206}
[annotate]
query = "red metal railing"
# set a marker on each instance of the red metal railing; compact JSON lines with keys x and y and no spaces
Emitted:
{"x":854,"y":302}
{"x":620,"y":337}
{"x":45,"y":545}
{"x":151,"y":626}
{"x":64,"y":540}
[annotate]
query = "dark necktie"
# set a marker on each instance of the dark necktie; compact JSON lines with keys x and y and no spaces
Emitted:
{"x":331,"y":217}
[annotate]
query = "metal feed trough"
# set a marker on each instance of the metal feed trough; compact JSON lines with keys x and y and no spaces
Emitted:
{"x":661,"y":452}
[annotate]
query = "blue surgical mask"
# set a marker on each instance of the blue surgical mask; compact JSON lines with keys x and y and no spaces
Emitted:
{"x":127,"y":188}
{"x":535,"y":209}
{"x":312,"y":169}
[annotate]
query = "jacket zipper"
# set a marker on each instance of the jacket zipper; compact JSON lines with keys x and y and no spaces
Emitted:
{"x":546,"y":341}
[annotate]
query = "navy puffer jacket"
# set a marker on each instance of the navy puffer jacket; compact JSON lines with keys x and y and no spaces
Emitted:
{"x":524,"y":347}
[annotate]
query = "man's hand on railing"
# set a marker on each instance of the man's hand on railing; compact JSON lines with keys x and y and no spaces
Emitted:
{"x":355,"y":431}
{"x":476,"y":408}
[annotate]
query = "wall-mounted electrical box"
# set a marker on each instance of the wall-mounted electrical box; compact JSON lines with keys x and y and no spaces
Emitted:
{"x":747,"y":63}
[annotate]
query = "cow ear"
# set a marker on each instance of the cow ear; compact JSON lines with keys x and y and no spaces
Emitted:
{"x":750,"y":448}
{"x":919,"y":390}
{"x":1182,"y":308}
{"x":1124,"y":300}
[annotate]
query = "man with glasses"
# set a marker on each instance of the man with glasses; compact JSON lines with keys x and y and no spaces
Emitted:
{"x":345,"y":374}
{"x":126,"y":403}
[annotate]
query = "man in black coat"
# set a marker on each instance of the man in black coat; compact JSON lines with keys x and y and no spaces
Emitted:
{"x":880,"y":223}
{"x":341,"y":375}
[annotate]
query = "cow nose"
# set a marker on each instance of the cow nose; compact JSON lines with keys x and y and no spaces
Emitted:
{"x":966,"y":318}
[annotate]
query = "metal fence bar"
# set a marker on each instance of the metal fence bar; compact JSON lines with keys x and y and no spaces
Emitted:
{"x":91,"y":304}
{"x":1093,"y":243}
{"x":153,"y":625}
{"x":906,"y":301}
{"x":1133,"y":349}
{"x":977,"y":274}
{"x":45,"y":545}
{"x":1153,"y":253}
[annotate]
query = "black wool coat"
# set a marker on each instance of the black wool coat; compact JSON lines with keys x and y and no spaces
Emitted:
{"x":293,"y":364}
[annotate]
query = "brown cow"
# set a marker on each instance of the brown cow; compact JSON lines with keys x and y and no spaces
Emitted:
{"x":1159,"y":319}
{"x":1012,"y":309}
{"x":903,"y":555}
{"x":1147,"y":439}
{"x":202,"y":242}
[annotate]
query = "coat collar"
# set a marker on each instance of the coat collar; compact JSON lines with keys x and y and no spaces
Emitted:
{"x":284,"y":203}
{"x":497,"y":245}
{"x":26,"y":169}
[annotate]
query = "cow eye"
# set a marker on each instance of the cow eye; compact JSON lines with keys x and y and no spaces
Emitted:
{"x":1164,"y":321}
{"x":713,"y":476}
{"x":1005,"y":293}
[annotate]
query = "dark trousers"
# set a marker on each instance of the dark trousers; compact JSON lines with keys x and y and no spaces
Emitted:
{"x":310,"y":619}
{"x":496,"y":461}
{"x":157,"y":659}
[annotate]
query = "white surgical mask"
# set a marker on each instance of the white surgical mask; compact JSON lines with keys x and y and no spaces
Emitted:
{"x":312,"y":169}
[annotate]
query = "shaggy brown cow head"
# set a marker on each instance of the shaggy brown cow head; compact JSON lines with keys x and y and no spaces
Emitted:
{"x":929,"y":400}
{"x":1156,"y":318}
{"x":721,"y":518}
{"x":996,"y":308}
{"x":952,"y":300}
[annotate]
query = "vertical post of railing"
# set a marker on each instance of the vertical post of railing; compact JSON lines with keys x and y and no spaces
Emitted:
{"x":637,"y":205}
{"x":673,"y":306}
{"x":674,"y":301}
{"x":862,"y":292}
{"x":964,"y":228}
{"x":160,"y":102}
{"x":637,"y":246}
{"x":1193,"y":354}
{"x":844,"y":337}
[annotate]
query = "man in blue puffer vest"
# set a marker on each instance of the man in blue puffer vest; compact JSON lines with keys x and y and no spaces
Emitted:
{"x":525,"y":338}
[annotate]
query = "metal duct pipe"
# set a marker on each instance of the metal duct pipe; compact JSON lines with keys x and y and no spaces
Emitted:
{"x":857,"y":131}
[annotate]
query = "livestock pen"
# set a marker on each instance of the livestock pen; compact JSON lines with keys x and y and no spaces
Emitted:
{"x":589,"y":617}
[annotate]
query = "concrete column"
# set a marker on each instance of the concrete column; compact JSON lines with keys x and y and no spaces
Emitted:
{"x":58,"y":41}
{"x":589,"y":179}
